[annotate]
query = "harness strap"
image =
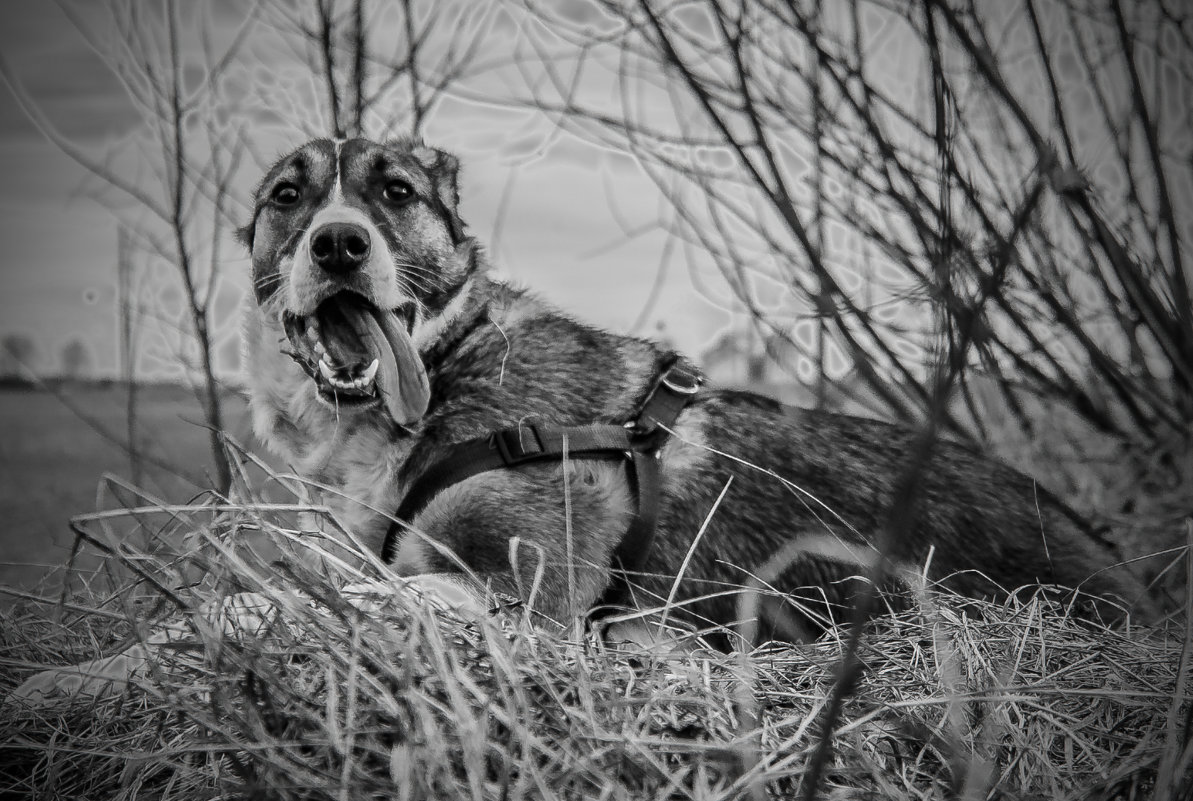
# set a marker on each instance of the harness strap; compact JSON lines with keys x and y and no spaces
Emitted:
{"x":638,"y":443}
{"x":666,"y":399}
{"x":509,"y":447}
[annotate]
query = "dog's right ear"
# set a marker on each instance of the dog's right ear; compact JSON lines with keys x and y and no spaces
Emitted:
{"x":245,"y":234}
{"x":444,"y":169}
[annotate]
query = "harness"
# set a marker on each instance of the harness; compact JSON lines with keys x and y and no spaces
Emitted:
{"x":638,"y":443}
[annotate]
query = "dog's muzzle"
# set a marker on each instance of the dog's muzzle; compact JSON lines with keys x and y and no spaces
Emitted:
{"x":340,"y":247}
{"x":359,"y":356}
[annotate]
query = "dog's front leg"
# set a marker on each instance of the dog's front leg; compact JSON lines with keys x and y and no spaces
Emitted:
{"x":239,"y":615}
{"x":452,"y":592}
{"x":540,"y":533}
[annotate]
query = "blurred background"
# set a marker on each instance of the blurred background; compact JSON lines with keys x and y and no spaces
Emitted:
{"x":977,"y":212}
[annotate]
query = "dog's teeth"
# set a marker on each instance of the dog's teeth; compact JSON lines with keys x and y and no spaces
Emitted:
{"x":322,"y":351}
{"x":324,"y":355}
{"x":370,"y":372}
{"x":330,"y":374}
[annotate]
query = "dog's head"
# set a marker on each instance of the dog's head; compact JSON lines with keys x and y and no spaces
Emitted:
{"x":351,"y":242}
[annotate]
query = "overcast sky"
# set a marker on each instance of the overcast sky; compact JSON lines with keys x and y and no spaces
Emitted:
{"x":558,"y":234}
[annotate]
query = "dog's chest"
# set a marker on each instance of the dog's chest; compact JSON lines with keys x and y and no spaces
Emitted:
{"x":359,"y":468}
{"x":352,"y":466}
{"x":364,"y":469}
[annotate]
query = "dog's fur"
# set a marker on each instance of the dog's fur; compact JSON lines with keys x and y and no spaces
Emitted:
{"x":494,"y":356}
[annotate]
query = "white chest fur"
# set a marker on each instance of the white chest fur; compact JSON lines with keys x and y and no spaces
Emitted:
{"x":351,"y":460}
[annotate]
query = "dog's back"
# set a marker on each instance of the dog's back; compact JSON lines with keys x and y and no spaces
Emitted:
{"x":829,"y":481}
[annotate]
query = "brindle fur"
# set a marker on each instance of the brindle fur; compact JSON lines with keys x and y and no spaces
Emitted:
{"x":496,"y":357}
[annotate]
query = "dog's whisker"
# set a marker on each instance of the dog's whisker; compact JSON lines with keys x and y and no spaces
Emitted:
{"x":410,"y":265}
{"x":417,"y":269}
{"x":426,"y":275}
{"x":414,"y":289}
{"x":424,"y":284}
{"x":417,"y":287}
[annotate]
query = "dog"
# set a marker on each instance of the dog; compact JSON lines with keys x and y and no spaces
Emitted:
{"x":378,"y":343}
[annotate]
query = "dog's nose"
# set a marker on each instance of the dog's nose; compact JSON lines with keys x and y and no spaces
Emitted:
{"x":340,"y":247}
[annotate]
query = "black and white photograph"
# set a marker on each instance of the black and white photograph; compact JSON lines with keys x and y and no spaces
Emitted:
{"x":708,"y":400}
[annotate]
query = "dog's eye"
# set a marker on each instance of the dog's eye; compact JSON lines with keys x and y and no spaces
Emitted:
{"x":285,"y":194}
{"x":398,"y":191}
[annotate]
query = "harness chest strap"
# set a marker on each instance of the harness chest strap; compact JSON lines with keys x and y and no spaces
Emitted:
{"x":637,"y":443}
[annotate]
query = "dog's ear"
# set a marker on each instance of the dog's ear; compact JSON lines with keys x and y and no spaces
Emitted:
{"x":245,"y":234}
{"x":444,"y":169}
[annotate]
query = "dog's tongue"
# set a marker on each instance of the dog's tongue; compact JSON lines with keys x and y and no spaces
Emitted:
{"x":401,"y":378}
{"x":341,"y":330}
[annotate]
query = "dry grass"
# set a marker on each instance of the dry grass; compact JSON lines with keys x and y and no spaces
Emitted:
{"x":324,"y":700}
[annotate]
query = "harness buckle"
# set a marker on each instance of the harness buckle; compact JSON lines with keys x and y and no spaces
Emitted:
{"x":670,"y":394}
{"x":517,"y":445}
{"x":682,"y":381}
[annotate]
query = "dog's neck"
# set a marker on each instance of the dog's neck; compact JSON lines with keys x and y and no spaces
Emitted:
{"x":483,"y":311}
{"x":438,"y":336}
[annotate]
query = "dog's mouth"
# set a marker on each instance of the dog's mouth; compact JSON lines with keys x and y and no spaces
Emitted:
{"x":360,"y":356}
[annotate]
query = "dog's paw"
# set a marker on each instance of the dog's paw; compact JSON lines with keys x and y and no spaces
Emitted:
{"x":441,"y":591}
{"x":445,"y":592}
{"x":245,"y":614}
{"x":649,"y":637}
{"x":94,"y":679}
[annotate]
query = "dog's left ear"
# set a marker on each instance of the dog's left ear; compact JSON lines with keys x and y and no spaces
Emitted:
{"x":444,"y":170}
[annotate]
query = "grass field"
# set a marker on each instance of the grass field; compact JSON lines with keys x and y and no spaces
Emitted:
{"x":57,"y":442}
{"x":303,"y":691}
{"x":327,"y":696}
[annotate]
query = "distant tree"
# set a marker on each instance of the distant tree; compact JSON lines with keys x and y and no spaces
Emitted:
{"x":76,"y":359}
{"x":128,"y":314}
{"x":18,"y":356}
